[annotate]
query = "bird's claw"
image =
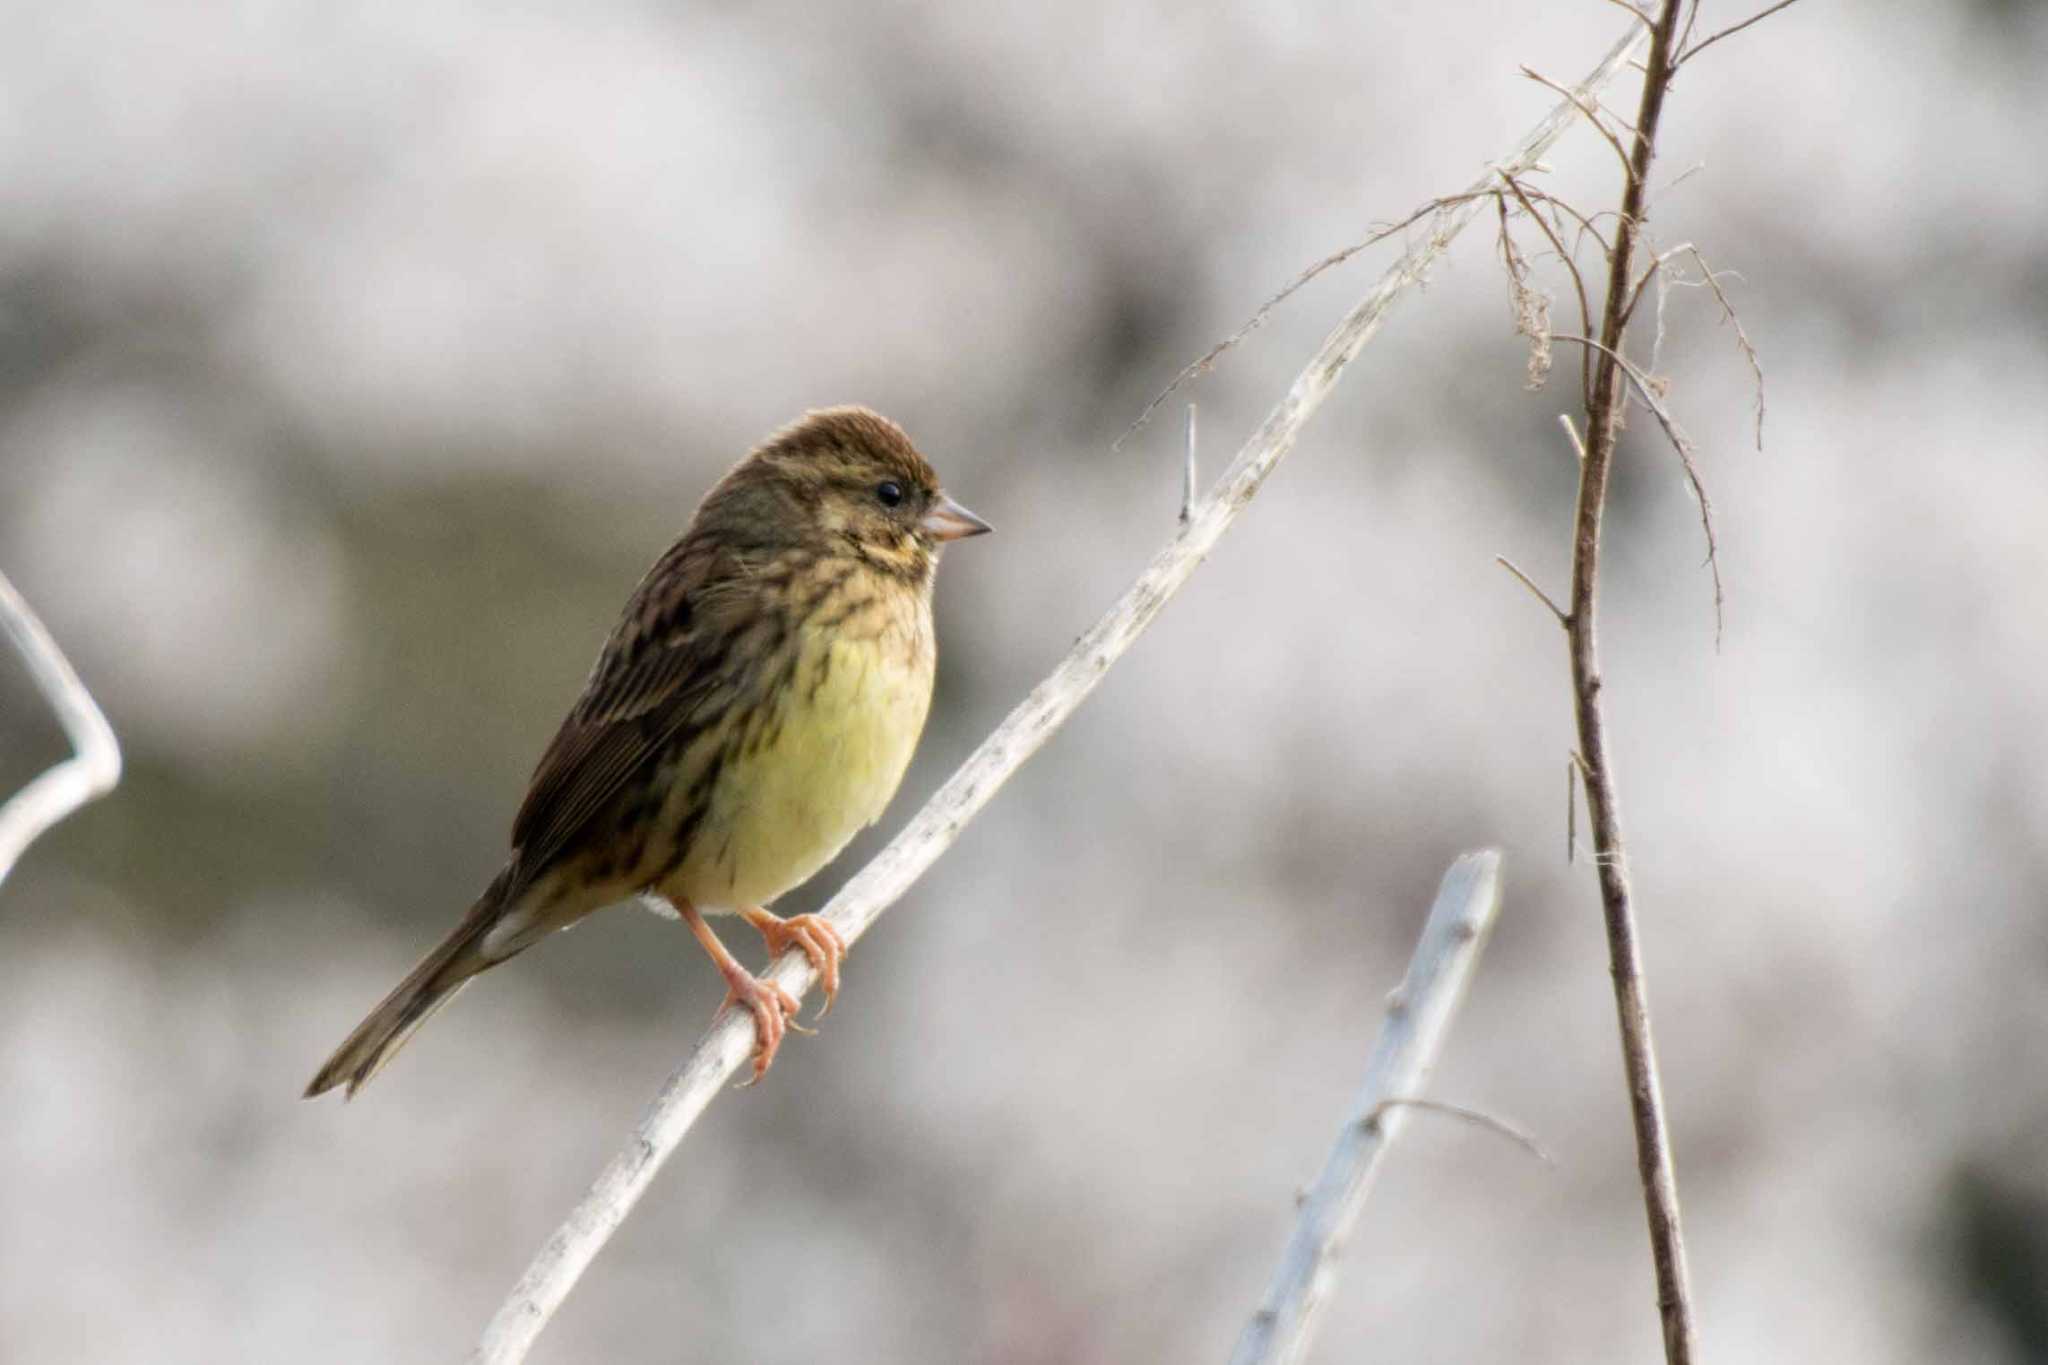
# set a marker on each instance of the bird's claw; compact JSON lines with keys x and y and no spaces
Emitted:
{"x":774,"y":1010}
{"x":821,"y":942}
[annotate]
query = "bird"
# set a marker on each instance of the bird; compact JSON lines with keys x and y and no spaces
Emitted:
{"x":754,"y":708}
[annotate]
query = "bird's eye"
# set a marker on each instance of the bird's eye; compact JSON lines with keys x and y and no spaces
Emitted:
{"x":890,"y":493}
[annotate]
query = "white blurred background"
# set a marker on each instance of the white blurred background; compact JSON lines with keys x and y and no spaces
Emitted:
{"x":354,"y":361}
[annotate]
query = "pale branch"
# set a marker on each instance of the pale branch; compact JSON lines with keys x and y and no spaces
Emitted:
{"x":1189,"y":479}
{"x":730,"y":1040}
{"x":95,"y":765}
{"x":1418,"y":1015}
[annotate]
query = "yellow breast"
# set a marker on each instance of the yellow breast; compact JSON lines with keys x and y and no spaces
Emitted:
{"x":826,"y":755}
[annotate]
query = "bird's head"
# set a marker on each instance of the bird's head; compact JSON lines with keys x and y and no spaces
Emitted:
{"x":845,"y":481}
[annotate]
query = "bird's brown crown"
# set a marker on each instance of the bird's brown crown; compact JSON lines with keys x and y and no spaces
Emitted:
{"x":838,"y":481}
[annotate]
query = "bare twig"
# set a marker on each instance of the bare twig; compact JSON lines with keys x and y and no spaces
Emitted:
{"x":1742,"y":342}
{"x":1688,"y":173}
{"x":1208,"y":359}
{"x":1529,"y":305}
{"x":1657,"y":273}
{"x":1710,"y":279}
{"x":1530,"y":584}
{"x":1514,"y":184}
{"x":90,"y":772}
{"x":1571,"y":809}
{"x":1478,"y":1118}
{"x":1624,"y":4}
{"x":1188,"y":476}
{"x":1655,"y":1166}
{"x":1729,"y":32}
{"x":1565,"y":208}
{"x":1647,"y":390}
{"x":1418,"y":1015}
{"x":1578,"y":446}
{"x":1202,"y":364}
{"x":1586,"y":105}
{"x":730,"y":1040}
{"x":1692,"y":19}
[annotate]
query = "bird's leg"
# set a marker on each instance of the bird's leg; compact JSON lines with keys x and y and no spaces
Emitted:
{"x":822,"y":944}
{"x":774,"y":1009}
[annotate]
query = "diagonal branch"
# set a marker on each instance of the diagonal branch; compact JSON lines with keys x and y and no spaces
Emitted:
{"x":1418,"y":1015}
{"x":89,"y":773}
{"x":730,"y":1039}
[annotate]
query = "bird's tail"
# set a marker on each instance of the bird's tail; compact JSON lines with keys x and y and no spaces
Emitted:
{"x":413,"y":1001}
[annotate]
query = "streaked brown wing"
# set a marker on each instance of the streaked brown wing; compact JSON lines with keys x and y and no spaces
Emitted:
{"x":654,"y":678}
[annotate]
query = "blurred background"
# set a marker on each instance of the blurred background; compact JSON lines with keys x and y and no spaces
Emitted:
{"x":355,"y":360}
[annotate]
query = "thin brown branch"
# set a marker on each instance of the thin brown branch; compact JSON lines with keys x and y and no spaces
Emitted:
{"x":1729,"y":32}
{"x":1655,"y":1166}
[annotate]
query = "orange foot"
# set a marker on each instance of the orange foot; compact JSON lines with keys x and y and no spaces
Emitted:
{"x":774,"y":1010}
{"x":821,"y":943}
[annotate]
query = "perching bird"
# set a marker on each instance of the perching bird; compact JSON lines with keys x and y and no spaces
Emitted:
{"x":754,"y":708}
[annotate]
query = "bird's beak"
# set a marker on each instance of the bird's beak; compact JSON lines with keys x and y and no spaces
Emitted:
{"x":948,"y":520}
